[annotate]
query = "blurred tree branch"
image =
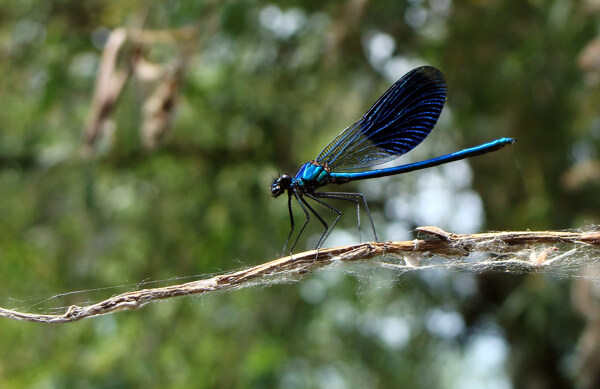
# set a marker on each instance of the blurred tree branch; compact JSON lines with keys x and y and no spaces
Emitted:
{"x":109,"y":83}
{"x":514,"y":250}
{"x":163,"y":79}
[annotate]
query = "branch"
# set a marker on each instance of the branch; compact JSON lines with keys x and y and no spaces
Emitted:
{"x":524,"y":251}
{"x":109,"y":84}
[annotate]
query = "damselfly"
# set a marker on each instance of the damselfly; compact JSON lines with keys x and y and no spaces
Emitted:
{"x":402,"y":117}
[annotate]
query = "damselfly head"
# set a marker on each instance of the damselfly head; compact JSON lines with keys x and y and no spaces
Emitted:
{"x":281,"y":184}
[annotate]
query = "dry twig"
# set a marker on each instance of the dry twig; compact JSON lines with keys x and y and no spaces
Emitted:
{"x":120,"y":61}
{"x":109,"y":84}
{"x":442,"y":244}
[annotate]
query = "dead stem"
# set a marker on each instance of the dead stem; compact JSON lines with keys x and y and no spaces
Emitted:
{"x":533,"y":244}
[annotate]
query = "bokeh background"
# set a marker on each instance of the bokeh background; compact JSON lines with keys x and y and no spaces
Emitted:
{"x":162,"y":171}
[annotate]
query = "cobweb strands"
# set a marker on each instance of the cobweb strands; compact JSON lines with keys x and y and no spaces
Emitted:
{"x":554,"y":252}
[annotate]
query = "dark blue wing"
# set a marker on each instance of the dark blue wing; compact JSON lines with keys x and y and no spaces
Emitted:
{"x":402,"y":117}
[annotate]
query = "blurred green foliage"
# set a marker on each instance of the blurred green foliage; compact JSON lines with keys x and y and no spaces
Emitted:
{"x":263,"y":92}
